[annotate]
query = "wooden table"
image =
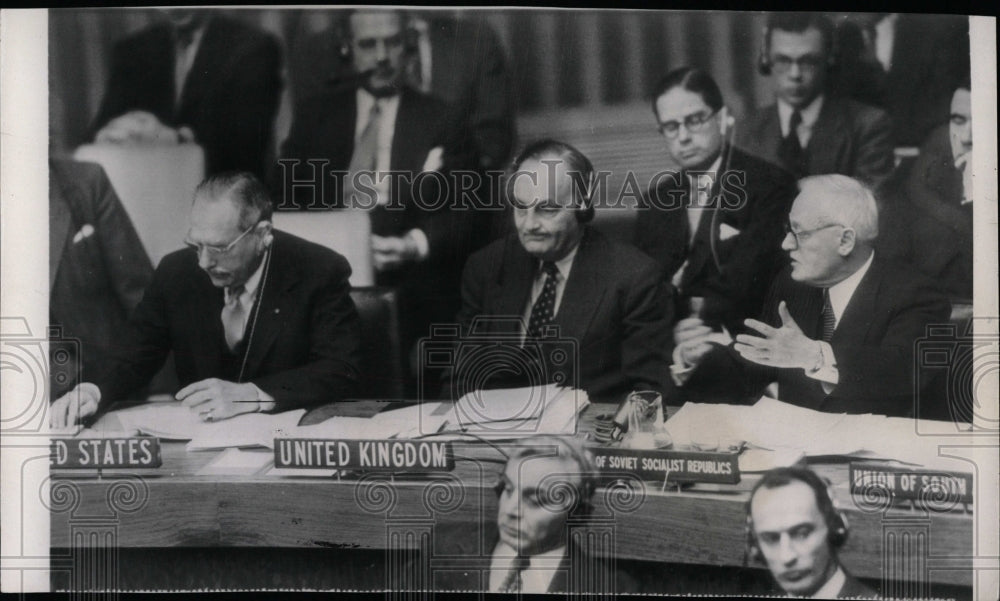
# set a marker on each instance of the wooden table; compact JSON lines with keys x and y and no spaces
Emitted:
{"x":173,"y":507}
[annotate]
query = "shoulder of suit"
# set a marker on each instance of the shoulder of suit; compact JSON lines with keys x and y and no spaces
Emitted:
{"x":860,"y":113}
{"x":304,"y":255}
{"x":619,"y":259}
{"x":756,"y":166}
{"x":424,"y":102}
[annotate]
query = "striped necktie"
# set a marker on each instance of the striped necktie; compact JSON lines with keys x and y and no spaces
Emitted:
{"x":512,"y":582}
{"x":829,"y":319}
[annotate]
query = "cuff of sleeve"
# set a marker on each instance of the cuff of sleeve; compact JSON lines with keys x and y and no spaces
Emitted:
{"x":265,"y":402}
{"x":419,"y":239}
{"x":679,"y":372}
{"x":826,"y":372}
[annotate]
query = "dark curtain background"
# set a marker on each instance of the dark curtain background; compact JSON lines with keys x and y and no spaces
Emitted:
{"x":583,"y":60}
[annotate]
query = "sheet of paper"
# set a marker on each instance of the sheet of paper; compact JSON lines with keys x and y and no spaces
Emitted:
{"x":237,"y":462}
{"x":247,"y":430}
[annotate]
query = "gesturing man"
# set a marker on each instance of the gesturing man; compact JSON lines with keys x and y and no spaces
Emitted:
{"x":257,"y":319}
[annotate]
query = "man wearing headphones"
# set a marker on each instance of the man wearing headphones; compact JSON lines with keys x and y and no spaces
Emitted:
{"x":794,"y":527}
{"x":714,"y":227}
{"x":543,"y":494}
{"x":606,"y":297}
{"x":808,"y":131}
{"x":257,"y":319}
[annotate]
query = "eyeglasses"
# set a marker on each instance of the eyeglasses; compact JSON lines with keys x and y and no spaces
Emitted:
{"x":802,"y":235}
{"x":810,"y":62}
{"x":216,"y":251}
{"x":692,"y":123}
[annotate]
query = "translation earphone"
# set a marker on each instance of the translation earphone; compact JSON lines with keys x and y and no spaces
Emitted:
{"x":835,"y":520}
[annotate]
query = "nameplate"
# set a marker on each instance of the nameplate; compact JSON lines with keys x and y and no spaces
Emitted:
{"x":105,"y":453}
{"x":928,"y":488}
{"x":365,"y":455}
{"x":675,"y":466}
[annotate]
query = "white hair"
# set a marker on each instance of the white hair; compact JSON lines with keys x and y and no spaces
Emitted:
{"x":846,"y":201}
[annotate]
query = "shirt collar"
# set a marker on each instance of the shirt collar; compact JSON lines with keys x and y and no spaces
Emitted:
{"x":842,"y":291}
{"x":809,"y":114}
{"x":831,"y":589}
{"x":564,"y":264}
{"x":250,"y":287}
{"x":538,"y":573}
{"x":366,"y":100}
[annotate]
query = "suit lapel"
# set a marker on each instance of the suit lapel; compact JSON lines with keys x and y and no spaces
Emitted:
{"x":770,"y":132}
{"x":827,"y":137}
{"x":204,"y":309}
{"x":584,"y":290}
{"x":207,"y":63}
{"x":514,"y":280}
{"x":860,"y":310}
{"x":60,"y":222}
{"x":267,"y":320}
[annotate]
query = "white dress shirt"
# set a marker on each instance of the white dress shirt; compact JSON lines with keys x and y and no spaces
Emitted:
{"x":564,"y":266}
{"x":831,"y":589}
{"x":389,"y":107}
{"x":184,"y":61}
{"x":246,"y":301}
{"x":535,"y":578}
{"x":809,"y":116}
{"x":885,"y":39}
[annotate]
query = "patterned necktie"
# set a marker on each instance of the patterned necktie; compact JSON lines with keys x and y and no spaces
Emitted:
{"x":233,"y":316}
{"x":791,"y":152}
{"x":829,"y":319}
{"x":512,"y":582}
{"x":366,"y":150}
{"x":543,"y":309}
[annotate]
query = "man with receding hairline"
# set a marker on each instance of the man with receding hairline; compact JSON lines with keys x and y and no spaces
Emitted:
{"x":257,"y":319}
{"x":840,"y":323}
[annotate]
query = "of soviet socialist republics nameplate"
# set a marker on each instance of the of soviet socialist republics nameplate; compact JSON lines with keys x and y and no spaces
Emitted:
{"x":366,"y":455}
{"x":675,"y":466}
{"x":105,"y":453}
{"x":927,"y":488}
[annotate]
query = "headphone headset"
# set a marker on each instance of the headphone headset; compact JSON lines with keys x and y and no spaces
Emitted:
{"x":764,"y":60}
{"x":837,"y":527}
{"x":584,"y":212}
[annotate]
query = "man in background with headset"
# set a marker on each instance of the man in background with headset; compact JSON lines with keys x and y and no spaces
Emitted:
{"x":257,"y":319}
{"x":605,"y":296}
{"x":794,"y":527}
{"x":715,"y":227}
{"x":808,"y":131}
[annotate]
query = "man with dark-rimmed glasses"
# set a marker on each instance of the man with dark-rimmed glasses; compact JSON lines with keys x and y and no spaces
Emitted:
{"x":840,"y":323}
{"x":257,"y":319}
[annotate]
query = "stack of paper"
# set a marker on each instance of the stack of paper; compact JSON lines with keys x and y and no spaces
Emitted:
{"x":791,"y":432}
{"x":519,"y":412}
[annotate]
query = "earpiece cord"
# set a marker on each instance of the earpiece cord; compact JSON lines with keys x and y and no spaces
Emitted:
{"x":256,"y":312}
{"x":727,"y":139}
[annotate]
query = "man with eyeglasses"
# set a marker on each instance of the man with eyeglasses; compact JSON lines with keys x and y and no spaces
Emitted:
{"x":839,"y":325}
{"x":807,"y":130}
{"x":713,"y":228}
{"x":257,"y":319}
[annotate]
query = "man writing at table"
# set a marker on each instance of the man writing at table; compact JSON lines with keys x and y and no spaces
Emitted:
{"x":257,"y":319}
{"x":794,"y":527}
{"x":839,"y":325}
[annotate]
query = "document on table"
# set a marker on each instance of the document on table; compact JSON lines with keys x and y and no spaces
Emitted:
{"x":238,"y":462}
{"x":519,"y":412}
{"x":790,"y":431}
{"x":171,"y":421}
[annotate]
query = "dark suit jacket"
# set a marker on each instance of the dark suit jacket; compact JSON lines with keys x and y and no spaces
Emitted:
{"x":455,"y":551}
{"x":873,"y":344}
{"x":852,"y":589}
{"x":324,"y":129}
{"x":615,"y":307}
{"x":760,"y":195}
{"x":848,"y":137}
{"x":230,"y":97}
{"x":303,"y":349}
{"x":96,"y":280}
{"x":922,"y":206}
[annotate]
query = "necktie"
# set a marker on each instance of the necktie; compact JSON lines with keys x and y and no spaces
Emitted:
{"x":791,"y":152}
{"x":543,"y":309}
{"x":366,"y":150}
{"x":512,"y":582}
{"x":232,"y":316}
{"x":829,"y":319}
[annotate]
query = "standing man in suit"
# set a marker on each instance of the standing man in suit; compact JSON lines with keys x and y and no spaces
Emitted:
{"x":544,"y":495}
{"x":365,"y":130}
{"x":715,"y":227}
{"x":809,"y":131}
{"x":607,"y":297}
{"x":258,"y":320}
{"x":839,"y":326}
{"x":794,"y":528}
{"x":196,"y":77}
{"x":98,"y":268}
